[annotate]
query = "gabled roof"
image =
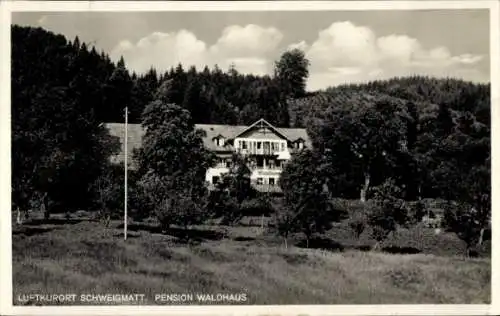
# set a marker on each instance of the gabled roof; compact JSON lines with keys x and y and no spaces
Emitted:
{"x":233,"y":131}
{"x":136,"y":132}
{"x":263,"y":122}
{"x":219,"y":136}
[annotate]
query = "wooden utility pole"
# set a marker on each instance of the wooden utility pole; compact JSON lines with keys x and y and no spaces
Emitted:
{"x":125,"y":217}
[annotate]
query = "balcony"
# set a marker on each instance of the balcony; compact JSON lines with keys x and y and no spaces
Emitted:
{"x":266,"y":188}
{"x":260,"y":147}
{"x":258,"y":151}
{"x":261,"y":187}
{"x":260,"y":171}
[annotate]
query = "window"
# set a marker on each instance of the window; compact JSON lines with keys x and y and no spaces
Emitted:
{"x":301,"y":144}
{"x":259,"y":145}
{"x":260,"y":181}
{"x":260,"y":162}
{"x":219,"y":141}
{"x":271,"y":164}
{"x":271,"y":181}
{"x":243,"y":144}
{"x":282,"y":146}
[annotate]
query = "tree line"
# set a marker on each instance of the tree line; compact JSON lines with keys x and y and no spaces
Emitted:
{"x":62,"y":92}
{"x":389,"y":142}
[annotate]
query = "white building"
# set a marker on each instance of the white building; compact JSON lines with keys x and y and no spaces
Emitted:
{"x":267,"y":148}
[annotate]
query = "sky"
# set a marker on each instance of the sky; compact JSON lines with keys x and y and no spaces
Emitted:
{"x":341,"y":46}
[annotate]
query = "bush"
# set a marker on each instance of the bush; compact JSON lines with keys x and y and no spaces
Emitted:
{"x":283,"y":222}
{"x":357,"y":226}
{"x":389,"y":211}
{"x":108,"y":193}
{"x":257,"y":207}
{"x":463,"y":220}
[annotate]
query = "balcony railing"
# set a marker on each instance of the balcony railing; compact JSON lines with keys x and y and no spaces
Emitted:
{"x":266,"y":168}
{"x":259,"y":151}
{"x":267,"y":188}
{"x":259,"y":187}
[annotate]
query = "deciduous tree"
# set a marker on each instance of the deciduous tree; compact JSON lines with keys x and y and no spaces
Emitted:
{"x":305,"y":194}
{"x":174,"y":161}
{"x":291,"y":71}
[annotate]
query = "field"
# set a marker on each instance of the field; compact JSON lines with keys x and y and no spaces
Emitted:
{"x":81,"y":256}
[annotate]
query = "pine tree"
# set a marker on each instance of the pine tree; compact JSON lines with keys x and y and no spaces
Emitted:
{"x":119,"y":92}
{"x":56,"y":134}
{"x":192,"y":101}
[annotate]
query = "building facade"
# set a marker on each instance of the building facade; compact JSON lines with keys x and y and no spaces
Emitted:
{"x":267,"y":148}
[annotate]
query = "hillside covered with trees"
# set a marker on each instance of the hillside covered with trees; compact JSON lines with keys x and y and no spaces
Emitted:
{"x":413,"y":138}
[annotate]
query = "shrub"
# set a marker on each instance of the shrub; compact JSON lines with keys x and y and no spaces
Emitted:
{"x":389,"y":211}
{"x":108,"y":192}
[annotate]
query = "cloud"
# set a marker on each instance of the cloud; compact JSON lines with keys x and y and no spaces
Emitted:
{"x":162,"y":51}
{"x":343,"y":44}
{"x":248,"y":48}
{"x":345,"y":71}
{"x":248,"y":65}
{"x":467,"y":59}
{"x":341,"y":53}
{"x":345,"y":52}
{"x":250,"y":40}
{"x":399,"y":49}
{"x":42,"y":20}
{"x":302,"y":45}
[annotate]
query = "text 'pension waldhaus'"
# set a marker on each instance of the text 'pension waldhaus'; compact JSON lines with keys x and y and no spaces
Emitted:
{"x":267,"y":148}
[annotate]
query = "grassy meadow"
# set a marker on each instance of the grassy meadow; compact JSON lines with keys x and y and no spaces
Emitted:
{"x":82,"y":256}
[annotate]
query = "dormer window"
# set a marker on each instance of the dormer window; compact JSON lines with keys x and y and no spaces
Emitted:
{"x":219,"y":141}
{"x":299,"y":143}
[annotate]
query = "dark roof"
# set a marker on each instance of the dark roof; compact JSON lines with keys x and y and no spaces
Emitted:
{"x":214,"y":130}
{"x":231,"y":131}
{"x":296,"y":133}
{"x":135,"y":133}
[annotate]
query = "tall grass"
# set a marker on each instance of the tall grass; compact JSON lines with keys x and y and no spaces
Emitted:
{"x":87,"y":258}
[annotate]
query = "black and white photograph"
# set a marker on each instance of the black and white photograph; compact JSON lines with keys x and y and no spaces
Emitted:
{"x":245,"y":156}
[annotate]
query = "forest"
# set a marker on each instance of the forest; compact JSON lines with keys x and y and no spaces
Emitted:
{"x":389,"y":141}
